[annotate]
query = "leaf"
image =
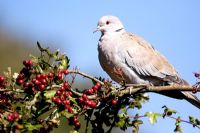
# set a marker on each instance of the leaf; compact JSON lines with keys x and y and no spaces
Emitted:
{"x":49,"y":94}
{"x":31,"y":127}
{"x":136,"y":124}
{"x":72,"y":99}
{"x":152,"y":117}
{"x":34,"y":59}
{"x":66,"y":114}
{"x":178,"y":129}
{"x":168,"y":111}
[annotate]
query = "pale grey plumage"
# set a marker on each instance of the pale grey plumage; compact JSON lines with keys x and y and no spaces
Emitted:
{"x":128,"y":57}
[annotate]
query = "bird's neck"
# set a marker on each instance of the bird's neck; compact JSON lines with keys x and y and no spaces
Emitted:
{"x":113,"y":33}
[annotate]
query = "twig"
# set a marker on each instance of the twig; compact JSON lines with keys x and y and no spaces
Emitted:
{"x":31,"y":103}
{"x":147,"y":88}
{"x":198,"y":126}
{"x":181,"y":120}
{"x":86,"y":75}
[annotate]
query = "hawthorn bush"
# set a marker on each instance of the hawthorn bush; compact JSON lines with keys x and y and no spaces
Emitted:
{"x":43,"y":87}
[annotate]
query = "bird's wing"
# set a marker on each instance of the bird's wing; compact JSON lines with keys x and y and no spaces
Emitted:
{"x":145,"y":60}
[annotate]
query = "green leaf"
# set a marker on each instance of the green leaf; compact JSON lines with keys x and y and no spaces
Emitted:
{"x":168,"y":111}
{"x":152,"y":117}
{"x":136,"y":123}
{"x":121,"y":123}
{"x":31,"y":127}
{"x":49,"y":94}
{"x":72,"y":99}
{"x":66,"y":114}
{"x":178,"y":129}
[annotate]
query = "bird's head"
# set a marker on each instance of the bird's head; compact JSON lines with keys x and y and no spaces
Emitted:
{"x":109,"y":24}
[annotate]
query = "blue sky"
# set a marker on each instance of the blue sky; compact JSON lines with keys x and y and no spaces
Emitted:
{"x":171,"y":26}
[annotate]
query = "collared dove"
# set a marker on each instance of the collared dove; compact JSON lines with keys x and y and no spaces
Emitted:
{"x":128,"y":57}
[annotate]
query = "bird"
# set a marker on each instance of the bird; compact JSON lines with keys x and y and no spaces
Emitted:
{"x":128,"y":57}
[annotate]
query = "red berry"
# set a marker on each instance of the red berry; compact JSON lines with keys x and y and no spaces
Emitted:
{"x":15,"y":115}
{"x":27,"y":84}
{"x":62,"y":98}
{"x":98,"y":84}
{"x":66,"y":94}
{"x":66,"y":85}
{"x":44,"y":81}
{"x":37,"y":82}
{"x":81,"y":100}
{"x":50,"y":75}
{"x":25,"y":62}
{"x":70,"y":93}
{"x":42,"y":87}
{"x":58,"y":101}
{"x":38,"y":76}
{"x":43,"y":76}
{"x":84,"y":96}
{"x":95,"y":87}
{"x":20,"y":82}
{"x":75,"y":119}
{"x":60,"y":71}
{"x":2,"y":79}
{"x":90,"y":91}
{"x":54,"y":99}
{"x":29,"y":62}
{"x":114,"y":102}
{"x":21,"y":76}
{"x":10,"y":117}
{"x":77,"y":125}
{"x":66,"y":102}
{"x":92,"y":104}
{"x":59,"y":76}
{"x":62,"y":88}
{"x":33,"y":81}
{"x":70,"y":110}
{"x":58,"y":92}
{"x":65,"y":72}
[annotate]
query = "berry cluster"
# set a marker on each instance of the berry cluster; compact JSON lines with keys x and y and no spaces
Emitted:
{"x":25,"y":72}
{"x":62,"y":97}
{"x":76,"y":122}
{"x":3,"y":96}
{"x":197,"y":85}
{"x":94,"y":89}
{"x":39,"y":82}
{"x":84,"y":101}
{"x":2,"y":81}
{"x":12,"y":116}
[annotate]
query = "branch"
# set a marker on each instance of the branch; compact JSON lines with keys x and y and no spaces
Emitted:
{"x":86,"y":75}
{"x":132,"y":89}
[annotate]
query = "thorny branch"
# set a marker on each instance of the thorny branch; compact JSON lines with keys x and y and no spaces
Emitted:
{"x":134,"y":88}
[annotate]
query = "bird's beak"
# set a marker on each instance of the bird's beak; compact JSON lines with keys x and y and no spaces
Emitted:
{"x":97,"y":29}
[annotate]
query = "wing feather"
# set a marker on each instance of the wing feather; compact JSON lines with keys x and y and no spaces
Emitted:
{"x":144,"y":59}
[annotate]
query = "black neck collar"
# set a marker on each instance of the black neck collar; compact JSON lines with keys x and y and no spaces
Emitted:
{"x":119,"y":30}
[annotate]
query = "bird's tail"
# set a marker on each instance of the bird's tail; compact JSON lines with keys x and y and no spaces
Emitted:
{"x":191,"y":98}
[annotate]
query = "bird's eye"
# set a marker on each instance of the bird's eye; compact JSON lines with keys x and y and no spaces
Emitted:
{"x":107,"y":22}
